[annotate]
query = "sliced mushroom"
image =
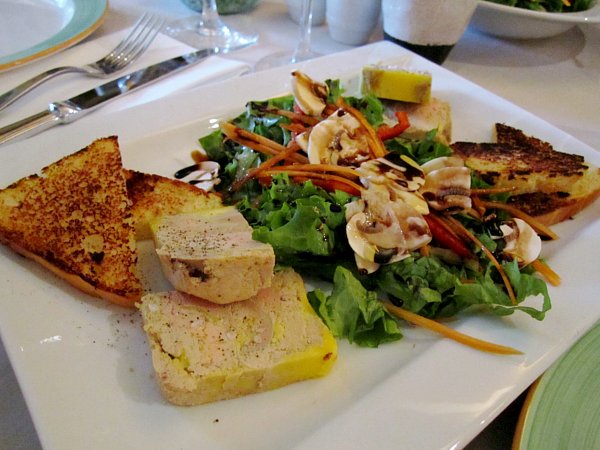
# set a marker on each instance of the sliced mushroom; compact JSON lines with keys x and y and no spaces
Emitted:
{"x":400,"y":175}
{"x":441,"y":162}
{"x":448,"y":187}
{"x":309,"y":95}
{"x":374,"y":243}
{"x":335,"y":141}
{"x":522,"y":242}
{"x":395,"y":168}
{"x":204,"y":175}
{"x":414,"y":227}
{"x":381,"y":231}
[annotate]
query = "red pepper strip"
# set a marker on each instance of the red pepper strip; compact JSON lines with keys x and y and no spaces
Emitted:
{"x":386,"y":132}
{"x":445,"y":238}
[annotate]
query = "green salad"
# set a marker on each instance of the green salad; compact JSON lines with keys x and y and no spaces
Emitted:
{"x":549,"y":5}
{"x":306,"y":220}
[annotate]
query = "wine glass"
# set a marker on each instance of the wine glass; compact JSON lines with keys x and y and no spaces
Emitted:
{"x":302,"y":52}
{"x":208,"y":30}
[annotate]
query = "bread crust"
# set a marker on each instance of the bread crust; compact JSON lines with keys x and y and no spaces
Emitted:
{"x":154,"y":196}
{"x":75,"y":219}
{"x":125,"y":299}
{"x":547,"y":184}
{"x":552,"y":208}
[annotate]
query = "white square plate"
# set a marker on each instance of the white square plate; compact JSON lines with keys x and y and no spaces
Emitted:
{"x":85,"y":368}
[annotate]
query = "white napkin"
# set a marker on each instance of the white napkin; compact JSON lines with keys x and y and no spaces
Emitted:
{"x":212,"y":69}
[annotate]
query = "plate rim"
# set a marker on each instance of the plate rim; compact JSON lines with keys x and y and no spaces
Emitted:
{"x":98,"y":13}
{"x":591,"y":15}
{"x":527,"y":417}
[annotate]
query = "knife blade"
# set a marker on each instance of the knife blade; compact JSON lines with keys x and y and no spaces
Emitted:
{"x":67,"y":111}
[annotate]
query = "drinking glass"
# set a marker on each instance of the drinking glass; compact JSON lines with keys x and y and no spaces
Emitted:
{"x":302,"y":51}
{"x":208,"y":30}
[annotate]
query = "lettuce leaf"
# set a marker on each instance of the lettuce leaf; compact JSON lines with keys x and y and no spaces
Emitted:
{"x":492,"y":295}
{"x":354,"y":313}
{"x":423,"y":285}
{"x":420,"y":151}
{"x":427,"y":286}
{"x":298,"y":219}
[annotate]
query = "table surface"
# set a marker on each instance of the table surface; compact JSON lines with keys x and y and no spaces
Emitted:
{"x":557,"y":79}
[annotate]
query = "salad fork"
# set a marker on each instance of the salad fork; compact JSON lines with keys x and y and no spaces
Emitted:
{"x":127,"y":51}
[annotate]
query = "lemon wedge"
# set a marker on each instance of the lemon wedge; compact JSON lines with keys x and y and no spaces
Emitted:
{"x":396,"y":84}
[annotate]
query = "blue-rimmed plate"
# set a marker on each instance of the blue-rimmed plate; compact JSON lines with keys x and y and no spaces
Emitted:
{"x":37,"y":28}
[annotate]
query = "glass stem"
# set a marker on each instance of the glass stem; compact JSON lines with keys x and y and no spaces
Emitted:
{"x":303,"y":48}
{"x":211,"y":24}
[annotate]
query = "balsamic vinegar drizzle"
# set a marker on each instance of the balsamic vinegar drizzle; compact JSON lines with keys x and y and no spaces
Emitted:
{"x":182,"y":173}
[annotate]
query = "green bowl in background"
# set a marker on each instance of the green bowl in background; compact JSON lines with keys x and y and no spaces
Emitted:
{"x":224,"y":6}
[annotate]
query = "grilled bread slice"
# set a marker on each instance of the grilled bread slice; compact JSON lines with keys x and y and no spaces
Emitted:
{"x":75,"y":220}
{"x":547,"y":184}
{"x":154,"y":196}
{"x":203,"y":352}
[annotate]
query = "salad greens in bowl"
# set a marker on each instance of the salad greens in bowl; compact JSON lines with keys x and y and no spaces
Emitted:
{"x":533,"y":19}
{"x":560,"y":6}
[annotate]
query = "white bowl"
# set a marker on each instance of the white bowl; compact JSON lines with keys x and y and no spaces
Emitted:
{"x":512,"y":22}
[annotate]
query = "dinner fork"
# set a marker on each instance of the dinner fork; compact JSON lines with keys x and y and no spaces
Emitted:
{"x":127,"y":51}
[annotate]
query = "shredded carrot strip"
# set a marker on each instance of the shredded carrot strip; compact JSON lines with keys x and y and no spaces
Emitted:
{"x":493,"y":190}
{"x":329,"y":109}
{"x":292,"y":148}
{"x":199,"y":157}
{"x":477,"y":205}
{"x":257,"y":142}
{"x":316,"y":175}
{"x":376,"y":145}
{"x":296,"y":128}
{"x":450,"y":228}
{"x":535,"y":224}
{"x":490,"y":256}
{"x":307,"y":120}
{"x":549,"y":274}
{"x":450,"y":333}
{"x":329,"y":185}
{"x":342,"y":170}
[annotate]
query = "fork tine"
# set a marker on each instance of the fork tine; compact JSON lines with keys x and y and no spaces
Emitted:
{"x":137,"y":41}
{"x":145,"y":38}
{"x":132,"y":36}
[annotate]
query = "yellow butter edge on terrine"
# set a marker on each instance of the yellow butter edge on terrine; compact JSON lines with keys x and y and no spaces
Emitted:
{"x":204,"y":251}
{"x":203,"y":352}
{"x":392,"y":83}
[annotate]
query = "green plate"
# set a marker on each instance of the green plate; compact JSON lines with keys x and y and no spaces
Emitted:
{"x":84,"y":17}
{"x":563,"y":408}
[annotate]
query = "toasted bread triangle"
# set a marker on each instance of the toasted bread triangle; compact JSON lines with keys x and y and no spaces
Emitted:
{"x":154,"y":196}
{"x":547,"y":184}
{"x":75,"y":219}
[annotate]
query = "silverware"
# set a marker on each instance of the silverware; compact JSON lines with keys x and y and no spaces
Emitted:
{"x":67,"y":111}
{"x":127,"y":51}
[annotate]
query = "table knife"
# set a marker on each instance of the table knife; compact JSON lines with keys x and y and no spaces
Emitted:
{"x":67,"y":111}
